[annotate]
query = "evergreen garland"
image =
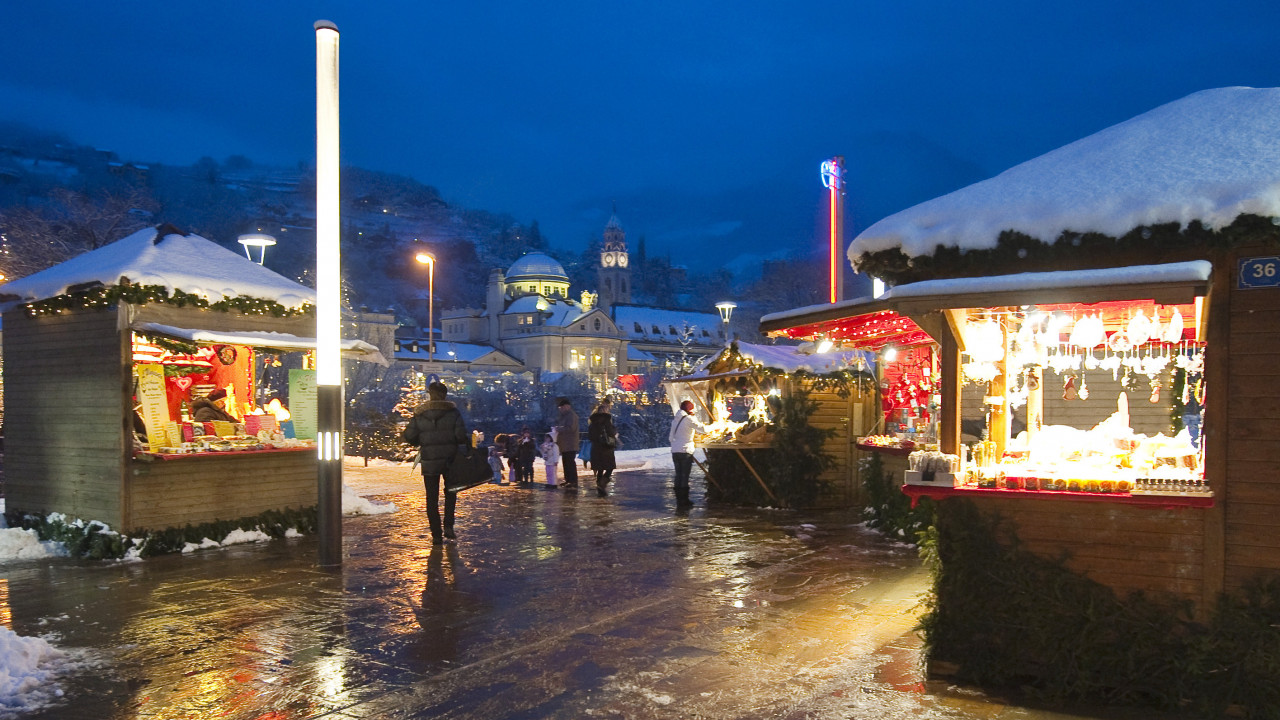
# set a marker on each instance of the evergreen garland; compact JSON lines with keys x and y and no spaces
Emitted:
{"x":96,"y":540}
{"x":889,"y":509}
{"x":1027,"y":254}
{"x":798,"y":458}
{"x":104,"y":296}
{"x":1007,"y":618}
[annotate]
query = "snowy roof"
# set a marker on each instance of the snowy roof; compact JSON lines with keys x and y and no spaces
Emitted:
{"x":638,"y":323}
{"x":791,"y":358}
{"x":1169,"y":282}
{"x":351,"y":347}
{"x":538,"y":265}
{"x":1210,"y":156}
{"x":178,"y":262}
{"x":635,"y":354}
{"x":454,"y":352}
{"x":558,"y":312}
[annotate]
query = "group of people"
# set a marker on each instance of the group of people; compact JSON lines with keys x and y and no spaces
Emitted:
{"x":438,"y":430}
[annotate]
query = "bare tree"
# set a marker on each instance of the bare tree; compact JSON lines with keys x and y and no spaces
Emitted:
{"x":66,"y":224}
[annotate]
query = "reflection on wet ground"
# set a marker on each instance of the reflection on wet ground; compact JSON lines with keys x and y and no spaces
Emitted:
{"x":550,"y":605}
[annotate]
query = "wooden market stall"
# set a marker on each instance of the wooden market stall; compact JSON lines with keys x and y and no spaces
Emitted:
{"x":1138,"y":361}
{"x":148,"y":322}
{"x":740,"y":391}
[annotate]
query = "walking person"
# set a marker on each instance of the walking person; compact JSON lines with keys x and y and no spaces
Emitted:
{"x":438,"y":430}
{"x":604,"y":439}
{"x":567,"y":439}
{"x":683,"y":427}
{"x":509,"y":454}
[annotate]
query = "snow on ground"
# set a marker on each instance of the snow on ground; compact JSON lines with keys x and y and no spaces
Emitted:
{"x":20,"y":544}
{"x":29,"y":667}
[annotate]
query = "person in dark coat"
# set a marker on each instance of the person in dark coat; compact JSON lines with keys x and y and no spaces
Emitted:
{"x":207,"y":409}
{"x":567,"y":439}
{"x":526,"y":453}
{"x":437,"y":428}
{"x":604,"y":438}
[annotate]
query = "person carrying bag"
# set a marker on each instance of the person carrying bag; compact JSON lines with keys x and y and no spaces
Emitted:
{"x":439,"y":432}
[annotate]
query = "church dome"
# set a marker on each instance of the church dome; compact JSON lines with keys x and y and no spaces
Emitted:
{"x":537,"y":265}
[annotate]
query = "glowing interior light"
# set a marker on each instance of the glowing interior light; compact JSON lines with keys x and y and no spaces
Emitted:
{"x":890,"y":353}
{"x":877,"y":287}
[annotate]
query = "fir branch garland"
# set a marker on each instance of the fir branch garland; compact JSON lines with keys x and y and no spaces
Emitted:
{"x":103,"y":296}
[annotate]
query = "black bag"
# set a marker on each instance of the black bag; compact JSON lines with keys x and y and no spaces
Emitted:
{"x":467,"y":470}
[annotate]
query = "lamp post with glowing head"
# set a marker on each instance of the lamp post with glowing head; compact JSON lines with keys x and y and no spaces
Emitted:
{"x":726,"y":311}
{"x":258,"y":240}
{"x":328,"y":300}
{"x":430,"y":262}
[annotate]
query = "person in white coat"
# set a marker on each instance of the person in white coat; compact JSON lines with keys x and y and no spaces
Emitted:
{"x":683,"y":427}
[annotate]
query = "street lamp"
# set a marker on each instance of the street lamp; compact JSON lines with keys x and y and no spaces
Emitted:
{"x":430,"y":262}
{"x":726,"y":311}
{"x":258,"y":240}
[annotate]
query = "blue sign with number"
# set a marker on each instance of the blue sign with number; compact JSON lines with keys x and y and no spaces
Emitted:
{"x":1260,"y":272}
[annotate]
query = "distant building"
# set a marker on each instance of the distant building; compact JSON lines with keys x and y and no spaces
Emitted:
{"x":531,"y":322}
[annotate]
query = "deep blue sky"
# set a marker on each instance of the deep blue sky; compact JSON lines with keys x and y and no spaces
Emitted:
{"x":705,"y":122}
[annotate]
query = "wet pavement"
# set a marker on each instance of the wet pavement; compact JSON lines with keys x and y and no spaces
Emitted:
{"x":549,"y":605}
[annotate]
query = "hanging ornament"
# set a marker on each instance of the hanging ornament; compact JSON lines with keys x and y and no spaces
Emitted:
{"x":1173,"y":333}
{"x":1069,"y":388}
{"x":1155,"y":391}
{"x":1084,"y":388}
{"x":1139,"y":329}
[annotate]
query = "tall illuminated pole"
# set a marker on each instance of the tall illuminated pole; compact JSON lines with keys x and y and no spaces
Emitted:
{"x":430,"y":262}
{"x":833,"y":180}
{"x":328,"y":299}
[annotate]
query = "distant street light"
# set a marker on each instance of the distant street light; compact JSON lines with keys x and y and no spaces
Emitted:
{"x":258,"y":240}
{"x":430,"y":262}
{"x":726,"y":311}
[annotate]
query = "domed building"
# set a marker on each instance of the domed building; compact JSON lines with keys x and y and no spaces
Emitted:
{"x":530,"y":322}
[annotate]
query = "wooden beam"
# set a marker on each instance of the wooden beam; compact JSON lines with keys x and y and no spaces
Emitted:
{"x":757,"y":476}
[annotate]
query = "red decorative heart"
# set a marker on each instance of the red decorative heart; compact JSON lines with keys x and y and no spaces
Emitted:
{"x":183,"y":382}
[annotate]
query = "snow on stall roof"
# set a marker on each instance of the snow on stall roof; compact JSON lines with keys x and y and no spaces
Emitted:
{"x":1210,"y":156}
{"x":791,"y":358}
{"x":178,"y":262}
{"x":1192,"y":271}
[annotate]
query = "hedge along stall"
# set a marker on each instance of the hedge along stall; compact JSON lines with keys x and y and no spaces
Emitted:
{"x":1135,"y":555}
{"x":773,"y":412}
{"x":87,"y":337}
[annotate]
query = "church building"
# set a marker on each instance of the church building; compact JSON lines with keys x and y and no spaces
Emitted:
{"x":531,"y":322}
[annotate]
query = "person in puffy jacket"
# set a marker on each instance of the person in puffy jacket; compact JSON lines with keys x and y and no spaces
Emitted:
{"x":604,"y":438}
{"x":438,"y":430}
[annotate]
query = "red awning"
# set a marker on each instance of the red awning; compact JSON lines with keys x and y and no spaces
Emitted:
{"x":872,"y":330}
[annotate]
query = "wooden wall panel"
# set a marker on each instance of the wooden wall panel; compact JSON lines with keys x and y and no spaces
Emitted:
{"x":65,"y":421}
{"x":169,"y":493}
{"x":1251,"y":406}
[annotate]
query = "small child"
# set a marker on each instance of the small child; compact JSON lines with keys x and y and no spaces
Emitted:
{"x":495,"y":462}
{"x":551,"y":458}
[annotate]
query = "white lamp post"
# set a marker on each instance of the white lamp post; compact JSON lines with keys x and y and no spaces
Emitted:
{"x":258,"y":240}
{"x":328,"y":300}
{"x":726,"y":311}
{"x":430,"y":262}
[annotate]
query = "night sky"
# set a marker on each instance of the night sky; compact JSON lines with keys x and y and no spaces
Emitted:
{"x":704,"y":122}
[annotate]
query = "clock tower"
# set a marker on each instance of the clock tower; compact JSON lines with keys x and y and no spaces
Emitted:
{"x":614,"y":273}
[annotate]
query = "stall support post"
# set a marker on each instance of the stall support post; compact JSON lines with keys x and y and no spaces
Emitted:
{"x":329,"y":473}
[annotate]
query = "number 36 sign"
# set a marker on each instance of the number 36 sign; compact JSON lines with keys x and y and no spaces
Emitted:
{"x":1260,"y":272}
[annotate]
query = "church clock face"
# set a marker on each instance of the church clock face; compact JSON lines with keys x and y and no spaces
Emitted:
{"x":622,"y":260}
{"x":608,"y":259}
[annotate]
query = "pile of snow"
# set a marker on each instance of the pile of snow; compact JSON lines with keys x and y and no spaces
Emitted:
{"x":29,"y":667}
{"x":353,"y":504}
{"x":1210,"y":156}
{"x":235,"y":537}
{"x":20,"y":544}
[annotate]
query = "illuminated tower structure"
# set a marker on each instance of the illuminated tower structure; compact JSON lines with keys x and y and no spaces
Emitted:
{"x":614,"y":273}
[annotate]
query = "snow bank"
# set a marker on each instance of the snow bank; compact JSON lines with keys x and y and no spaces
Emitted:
{"x":20,"y":544}
{"x":353,"y":504}
{"x":1210,"y":156}
{"x":29,"y":667}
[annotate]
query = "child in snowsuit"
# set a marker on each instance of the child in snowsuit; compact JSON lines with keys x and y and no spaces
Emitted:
{"x":551,"y":458}
{"x":495,"y":462}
